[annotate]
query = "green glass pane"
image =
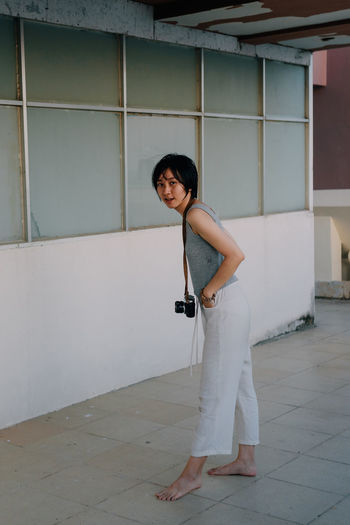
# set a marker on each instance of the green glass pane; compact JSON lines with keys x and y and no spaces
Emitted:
{"x":231,"y":157}
{"x":10,"y":178}
{"x":285,"y":89}
{"x":161,"y":75}
{"x":231,"y":84}
{"x":7,"y":59}
{"x":71,"y":65}
{"x":285,"y":167}
{"x":74,"y":172}
{"x":149,"y":139}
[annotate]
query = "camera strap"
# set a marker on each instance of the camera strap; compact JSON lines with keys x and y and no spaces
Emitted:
{"x":184,"y":242}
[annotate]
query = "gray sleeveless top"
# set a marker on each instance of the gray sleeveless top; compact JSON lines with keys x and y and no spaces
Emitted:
{"x":203,"y":259}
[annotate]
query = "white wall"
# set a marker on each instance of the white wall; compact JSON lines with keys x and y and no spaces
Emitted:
{"x":82,"y":316}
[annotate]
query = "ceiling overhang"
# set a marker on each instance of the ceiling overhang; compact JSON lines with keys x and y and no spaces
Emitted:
{"x":310,"y":24}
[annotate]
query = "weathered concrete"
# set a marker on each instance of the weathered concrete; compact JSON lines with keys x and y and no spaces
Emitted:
{"x":333,"y":289}
{"x":114,"y":16}
{"x":136,"y":19}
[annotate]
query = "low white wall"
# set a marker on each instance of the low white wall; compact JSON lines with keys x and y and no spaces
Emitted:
{"x":82,"y":316}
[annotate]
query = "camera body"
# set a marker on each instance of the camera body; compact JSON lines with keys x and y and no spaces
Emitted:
{"x":186,"y":307}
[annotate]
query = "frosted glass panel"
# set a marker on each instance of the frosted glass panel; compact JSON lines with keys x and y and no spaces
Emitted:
{"x":285,"y":167}
{"x":231,"y":177}
{"x":7,"y":59}
{"x":74,"y":172}
{"x":231,"y":84}
{"x":70,"y":65}
{"x":161,"y":75}
{"x":10,"y":182}
{"x":149,"y":139}
{"x":285,"y":89}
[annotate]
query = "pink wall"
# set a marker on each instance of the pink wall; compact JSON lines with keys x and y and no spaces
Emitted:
{"x":332,"y":124}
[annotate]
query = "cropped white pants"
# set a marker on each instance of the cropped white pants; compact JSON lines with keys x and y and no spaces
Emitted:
{"x":227,"y":395}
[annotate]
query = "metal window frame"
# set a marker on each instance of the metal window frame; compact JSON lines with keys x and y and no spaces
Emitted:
{"x":200,"y":115}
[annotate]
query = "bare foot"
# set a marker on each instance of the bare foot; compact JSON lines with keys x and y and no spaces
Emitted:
{"x":236,"y":468}
{"x":183,"y":485}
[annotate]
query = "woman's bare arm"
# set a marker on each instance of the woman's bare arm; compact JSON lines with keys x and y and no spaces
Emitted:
{"x":203,"y":225}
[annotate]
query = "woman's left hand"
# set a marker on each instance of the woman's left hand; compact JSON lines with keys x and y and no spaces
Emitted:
{"x":208,"y":301}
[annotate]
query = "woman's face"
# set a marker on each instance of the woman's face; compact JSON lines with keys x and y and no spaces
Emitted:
{"x":170,"y":190}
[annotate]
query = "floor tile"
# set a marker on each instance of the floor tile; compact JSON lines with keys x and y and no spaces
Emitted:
{"x":30,"y":432}
{"x":223,"y":514}
{"x":332,"y":403}
{"x":284,"y":500}
{"x":121,"y":428}
{"x":314,"y":380}
{"x":150,"y":510}
{"x":315,"y":420}
{"x":134,"y":461}
{"x":190,"y":422}
{"x":84,"y":484}
{"x":32,"y":507}
{"x":269,"y":410}
{"x":169,"y":439}
{"x":316,"y":473}
{"x":72,"y":446}
{"x":290,"y":439}
{"x":286,"y":364}
{"x":286,"y":394}
{"x":97,"y":517}
{"x":335,"y":449}
{"x":74,"y":416}
{"x":336,"y":515}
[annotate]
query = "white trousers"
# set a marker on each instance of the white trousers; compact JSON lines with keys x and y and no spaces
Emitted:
{"x":227,"y":394}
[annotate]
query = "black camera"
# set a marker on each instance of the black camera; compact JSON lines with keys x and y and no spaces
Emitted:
{"x":188,"y":308}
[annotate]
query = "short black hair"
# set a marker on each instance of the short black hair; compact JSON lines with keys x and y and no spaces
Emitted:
{"x":182,"y":167}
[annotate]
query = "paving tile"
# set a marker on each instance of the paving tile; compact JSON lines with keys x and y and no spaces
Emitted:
{"x":286,"y":364}
{"x":134,"y":461}
{"x":74,"y":416}
{"x":150,"y":510}
{"x":84,"y":484}
{"x":170,"y":393}
{"x":190,"y":422}
{"x":269,"y":459}
{"x":290,"y":439}
{"x":269,"y":410}
{"x":286,"y":394}
{"x":337,"y":515}
{"x":315,"y":420}
{"x":223,"y":514}
{"x":72,"y":446}
{"x":309,"y":354}
{"x":169,"y":439}
{"x":269,"y":375}
{"x":331,"y":402}
{"x":342,"y":338}
{"x":32,"y":507}
{"x":316,"y":473}
{"x":97,"y":517}
{"x":30,"y":432}
{"x":121,"y":428}
{"x":314,"y":380}
{"x":346,"y":433}
{"x":284,"y":500}
{"x":343,"y":391}
{"x":148,"y":409}
{"x":335,"y":449}
{"x":183,"y":377}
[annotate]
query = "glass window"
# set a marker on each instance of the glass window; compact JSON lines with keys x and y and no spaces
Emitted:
{"x":149,"y":139}
{"x":285,"y":89}
{"x":7,"y":59}
{"x":74,"y":161}
{"x":70,"y":65}
{"x":231,"y":84}
{"x":10,"y":176}
{"x":285,"y":167}
{"x":231,"y":177}
{"x":162,"y":76}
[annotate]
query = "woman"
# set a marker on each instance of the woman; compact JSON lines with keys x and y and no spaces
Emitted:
{"x":226,"y":381}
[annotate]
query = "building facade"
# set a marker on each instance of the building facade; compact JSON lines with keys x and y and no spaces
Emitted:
{"x":90,"y":99}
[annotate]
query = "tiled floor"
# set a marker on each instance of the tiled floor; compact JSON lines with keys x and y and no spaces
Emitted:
{"x":100,"y":462}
